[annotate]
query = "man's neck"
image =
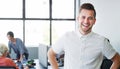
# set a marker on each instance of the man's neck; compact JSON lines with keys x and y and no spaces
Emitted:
{"x":84,"y":33}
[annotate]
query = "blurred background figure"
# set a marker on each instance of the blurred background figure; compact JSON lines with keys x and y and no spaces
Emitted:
{"x":4,"y":61}
{"x":18,"y":46}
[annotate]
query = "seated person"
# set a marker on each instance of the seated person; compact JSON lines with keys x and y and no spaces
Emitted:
{"x":4,"y":61}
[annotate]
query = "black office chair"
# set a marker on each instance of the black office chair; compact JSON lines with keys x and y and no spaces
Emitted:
{"x":7,"y":67}
{"x":106,"y":64}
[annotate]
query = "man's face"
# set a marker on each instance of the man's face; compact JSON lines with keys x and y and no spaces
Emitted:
{"x":86,"y":20}
{"x":9,"y":37}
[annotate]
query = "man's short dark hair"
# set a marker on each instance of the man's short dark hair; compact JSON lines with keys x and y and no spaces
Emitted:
{"x":88,"y":6}
{"x":10,"y":33}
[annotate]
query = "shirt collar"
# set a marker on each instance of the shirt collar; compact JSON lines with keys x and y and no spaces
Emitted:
{"x":84,"y":36}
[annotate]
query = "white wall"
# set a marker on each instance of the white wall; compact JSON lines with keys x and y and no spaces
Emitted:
{"x":108,"y":20}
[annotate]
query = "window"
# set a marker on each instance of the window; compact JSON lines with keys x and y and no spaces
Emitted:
{"x":59,"y":28}
{"x":37,"y":21}
{"x":37,"y":8}
{"x":10,"y":25}
{"x":37,"y":32}
{"x":63,"y":9}
{"x":10,"y":8}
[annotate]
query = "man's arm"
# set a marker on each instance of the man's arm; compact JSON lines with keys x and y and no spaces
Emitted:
{"x":21,"y":48}
{"x":52,"y":59}
{"x":9,"y":46}
{"x":116,"y":62}
{"x":21,"y":57}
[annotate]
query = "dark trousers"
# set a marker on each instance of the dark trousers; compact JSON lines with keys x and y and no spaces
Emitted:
{"x":25,"y":54}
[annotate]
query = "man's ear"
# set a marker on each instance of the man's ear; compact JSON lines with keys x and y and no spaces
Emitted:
{"x":94,"y":20}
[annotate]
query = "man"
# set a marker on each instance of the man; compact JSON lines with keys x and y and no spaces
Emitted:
{"x":18,"y":46}
{"x":83,"y":48}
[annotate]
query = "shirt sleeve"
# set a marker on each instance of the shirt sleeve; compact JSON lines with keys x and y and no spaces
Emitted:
{"x":108,"y":50}
{"x":9,"y":46}
{"x":58,"y":47}
{"x":21,"y":46}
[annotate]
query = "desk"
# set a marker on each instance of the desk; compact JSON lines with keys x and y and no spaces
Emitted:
{"x":37,"y":66}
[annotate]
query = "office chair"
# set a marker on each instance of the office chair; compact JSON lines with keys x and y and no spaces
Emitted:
{"x":106,"y":64}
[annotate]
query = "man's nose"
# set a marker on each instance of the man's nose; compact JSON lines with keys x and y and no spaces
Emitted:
{"x":86,"y":20}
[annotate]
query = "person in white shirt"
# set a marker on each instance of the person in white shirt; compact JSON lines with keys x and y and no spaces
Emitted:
{"x":83,"y":48}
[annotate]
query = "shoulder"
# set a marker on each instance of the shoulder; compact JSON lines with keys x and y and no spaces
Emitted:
{"x":9,"y":42}
{"x":99,"y":37}
{"x":66,"y":36}
{"x":96,"y":35}
{"x":7,"y":59}
{"x":18,"y":39}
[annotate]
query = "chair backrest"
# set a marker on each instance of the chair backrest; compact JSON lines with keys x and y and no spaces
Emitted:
{"x":106,"y":64}
{"x":7,"y":67}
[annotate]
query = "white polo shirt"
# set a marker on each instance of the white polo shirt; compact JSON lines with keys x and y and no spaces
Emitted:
{"x":83,"y":51}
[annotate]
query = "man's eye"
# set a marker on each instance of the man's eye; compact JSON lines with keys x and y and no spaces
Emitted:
{"x":90,"y":18}
{"x":83,"y":17}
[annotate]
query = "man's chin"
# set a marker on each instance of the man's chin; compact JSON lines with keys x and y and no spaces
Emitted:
{"x":86,"y":30}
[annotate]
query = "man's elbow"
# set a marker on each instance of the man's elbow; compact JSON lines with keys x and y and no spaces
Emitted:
{"x":50,"y":53}
{"x":116,"y":58}
{"x":116,"y":61}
